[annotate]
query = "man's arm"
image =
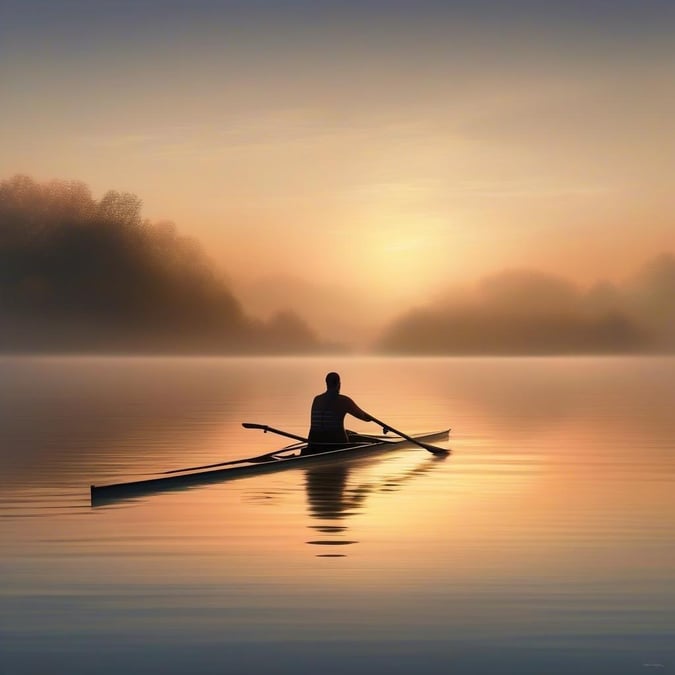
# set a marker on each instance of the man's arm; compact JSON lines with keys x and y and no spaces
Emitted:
{"x":354,"y":410}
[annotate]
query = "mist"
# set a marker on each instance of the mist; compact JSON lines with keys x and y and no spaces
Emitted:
{"x":79,"y":274}
{"x":531,"y":312}
{"x":337,"y":313}
{"x":84,"y":275}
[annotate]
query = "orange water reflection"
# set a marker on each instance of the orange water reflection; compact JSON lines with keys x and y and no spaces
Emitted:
{"x":551,"y":523}
{"x":333,"y":501}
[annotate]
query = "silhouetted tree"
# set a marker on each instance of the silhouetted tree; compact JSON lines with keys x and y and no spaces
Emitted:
{"x":524,"y":312}
{"x":76,"y":273}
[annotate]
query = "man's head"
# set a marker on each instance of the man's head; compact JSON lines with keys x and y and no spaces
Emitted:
{"x":333,"y":382}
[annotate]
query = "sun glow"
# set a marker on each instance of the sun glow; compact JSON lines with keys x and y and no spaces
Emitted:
{"x":400,"y":259}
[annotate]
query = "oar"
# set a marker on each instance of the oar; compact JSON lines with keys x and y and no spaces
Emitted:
{"x":259,"y":458}
{"x":265,"y":428}
{"x":431,"y":448}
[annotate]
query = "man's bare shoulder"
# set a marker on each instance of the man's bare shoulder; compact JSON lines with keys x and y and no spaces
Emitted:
{"x":346,"y":401}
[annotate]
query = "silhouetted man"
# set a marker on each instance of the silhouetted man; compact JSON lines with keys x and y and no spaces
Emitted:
{"x":328,"y":415}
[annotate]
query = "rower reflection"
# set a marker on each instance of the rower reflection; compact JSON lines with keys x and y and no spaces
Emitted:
{"x":332,"y":502}
{"x":327,"y":494}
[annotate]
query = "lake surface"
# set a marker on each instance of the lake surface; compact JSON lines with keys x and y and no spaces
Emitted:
{"x":544,"y":544}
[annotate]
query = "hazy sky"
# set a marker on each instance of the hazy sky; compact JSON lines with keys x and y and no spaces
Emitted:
{"x":387,"y":146}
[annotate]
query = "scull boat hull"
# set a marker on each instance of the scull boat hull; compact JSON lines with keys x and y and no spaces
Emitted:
{"x":106,"y":494}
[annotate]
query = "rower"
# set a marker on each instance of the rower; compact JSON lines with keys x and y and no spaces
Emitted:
{"x":327,"y":430}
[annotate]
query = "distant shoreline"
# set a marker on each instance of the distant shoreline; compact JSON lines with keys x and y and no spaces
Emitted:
{"x":323,"y":355}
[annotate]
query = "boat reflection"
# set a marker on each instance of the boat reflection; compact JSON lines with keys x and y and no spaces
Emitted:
{"x":331,"y":501}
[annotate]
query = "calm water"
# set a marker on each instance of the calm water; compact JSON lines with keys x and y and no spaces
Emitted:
{"x":545,"y":544}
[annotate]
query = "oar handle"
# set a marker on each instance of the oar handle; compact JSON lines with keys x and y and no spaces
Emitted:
{"x":252,"y":425}
{"x":265,"y":428}
{"x":431,"y":448}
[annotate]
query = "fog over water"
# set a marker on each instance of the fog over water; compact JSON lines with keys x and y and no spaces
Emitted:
{"x":530,"y":312}
{"x":92,"y":275}
{"x":80,"y":274}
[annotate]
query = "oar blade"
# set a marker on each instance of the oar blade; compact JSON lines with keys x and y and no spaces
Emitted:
{"x":430,"y":448}
{"x":439,"y":452}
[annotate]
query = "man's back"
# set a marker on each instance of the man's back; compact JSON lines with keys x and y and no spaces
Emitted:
{"x":328,"y":414}
{"x":327,"y":417}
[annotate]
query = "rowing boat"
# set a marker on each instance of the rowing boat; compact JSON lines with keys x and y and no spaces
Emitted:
{"x":288,"y":457}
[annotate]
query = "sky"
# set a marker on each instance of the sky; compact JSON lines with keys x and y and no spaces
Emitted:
{"x":375,"y":152}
